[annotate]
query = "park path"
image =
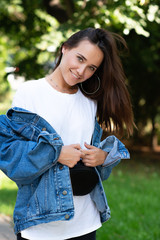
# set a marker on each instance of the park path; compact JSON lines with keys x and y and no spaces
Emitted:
{"x":6,"y":228}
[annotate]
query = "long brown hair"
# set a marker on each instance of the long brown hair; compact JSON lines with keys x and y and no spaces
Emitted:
{"x":113,"y":101}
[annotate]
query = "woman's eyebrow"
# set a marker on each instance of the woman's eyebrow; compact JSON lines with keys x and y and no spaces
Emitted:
{"x":86,"y":60}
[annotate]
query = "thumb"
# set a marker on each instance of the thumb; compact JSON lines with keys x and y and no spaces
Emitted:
{"x":88,"y":146}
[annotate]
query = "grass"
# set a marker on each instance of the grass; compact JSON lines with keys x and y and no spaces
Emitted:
{"x":8,"y":192}
{"x":133,"y":196}
{"x":6,"y":103}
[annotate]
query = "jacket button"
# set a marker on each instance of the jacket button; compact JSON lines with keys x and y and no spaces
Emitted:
{"x":44,"y":129}
{"x":56,"y":138}
{"x":64,"y":192}
{"x":61,"y":167}
{"x":66,"y":216}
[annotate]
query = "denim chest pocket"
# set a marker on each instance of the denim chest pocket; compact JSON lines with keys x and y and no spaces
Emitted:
{"x":30,"y":132}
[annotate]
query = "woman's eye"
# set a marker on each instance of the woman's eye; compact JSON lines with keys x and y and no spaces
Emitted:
{"x":92,"y":68}
{"x":80,"y":59}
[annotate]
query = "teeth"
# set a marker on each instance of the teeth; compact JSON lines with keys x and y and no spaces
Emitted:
{"x":74,"y":75}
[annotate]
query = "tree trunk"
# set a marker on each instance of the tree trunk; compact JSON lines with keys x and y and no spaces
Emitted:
{"x":69,"y":5}
{"x":56,"y":10}
{"x":154,"y":138}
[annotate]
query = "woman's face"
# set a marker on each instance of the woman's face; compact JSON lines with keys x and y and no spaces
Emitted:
{"x":80,"y":63}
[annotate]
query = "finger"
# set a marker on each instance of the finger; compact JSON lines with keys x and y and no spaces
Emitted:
{"x":89,"y":152}
{"x":82,"y":154}
{"x":88,"y":163}
{"x":86,"y":152}
{"x":87,"y":158}
{"x":77,"y":146}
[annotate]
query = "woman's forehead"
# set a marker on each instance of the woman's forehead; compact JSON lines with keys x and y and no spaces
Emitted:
{"x":90,"y":51}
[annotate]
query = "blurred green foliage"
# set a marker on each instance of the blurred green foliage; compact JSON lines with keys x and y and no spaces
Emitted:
{"x":4,"y":86}
{"x":31,"y":32}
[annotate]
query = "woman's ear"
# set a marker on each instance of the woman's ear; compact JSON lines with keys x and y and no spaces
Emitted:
{"x":64,"y":48}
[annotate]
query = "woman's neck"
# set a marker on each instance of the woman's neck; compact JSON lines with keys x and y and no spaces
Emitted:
{"x":56,"y":80}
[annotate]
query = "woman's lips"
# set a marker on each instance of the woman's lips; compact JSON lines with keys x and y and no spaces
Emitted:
{"x":74,"y":75}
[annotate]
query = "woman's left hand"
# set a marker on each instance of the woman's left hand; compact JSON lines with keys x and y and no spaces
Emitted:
{"x":93,"y":156}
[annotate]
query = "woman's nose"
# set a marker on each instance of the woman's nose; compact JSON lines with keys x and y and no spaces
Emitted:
{"x":81,"y":70}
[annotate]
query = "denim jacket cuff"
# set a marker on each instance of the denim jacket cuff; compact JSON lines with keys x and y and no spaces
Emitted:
{"x":116,"y":150}
{"x":52,"y":138}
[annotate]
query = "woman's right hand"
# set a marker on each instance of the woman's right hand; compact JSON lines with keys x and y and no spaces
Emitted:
{"x":70,"y":155}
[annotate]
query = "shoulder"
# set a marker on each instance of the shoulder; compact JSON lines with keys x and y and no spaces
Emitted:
{"x":30,"y":86}
{"x":31,"y":83}
{"x":26,"y":92}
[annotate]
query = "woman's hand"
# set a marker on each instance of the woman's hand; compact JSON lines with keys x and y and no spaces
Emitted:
{"x":70,"y":155}
{"x":93,"y":156}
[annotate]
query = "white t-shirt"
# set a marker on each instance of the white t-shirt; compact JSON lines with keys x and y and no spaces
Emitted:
{"x":73,"y":118}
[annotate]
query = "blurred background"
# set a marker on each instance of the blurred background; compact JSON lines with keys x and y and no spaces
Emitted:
{"x":30,"y":34}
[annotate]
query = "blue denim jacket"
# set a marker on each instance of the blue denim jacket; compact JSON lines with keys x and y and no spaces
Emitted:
{"x":29,"y":149}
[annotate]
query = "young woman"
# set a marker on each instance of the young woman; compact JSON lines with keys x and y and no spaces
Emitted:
{"x":60,"y":171}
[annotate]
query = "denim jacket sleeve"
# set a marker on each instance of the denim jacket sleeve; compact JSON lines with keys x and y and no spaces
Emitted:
{"x":116,"y":151}
{"x":24,"y":160}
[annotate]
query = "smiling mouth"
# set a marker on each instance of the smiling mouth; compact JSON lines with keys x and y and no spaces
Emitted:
{"x":74,"y":75}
